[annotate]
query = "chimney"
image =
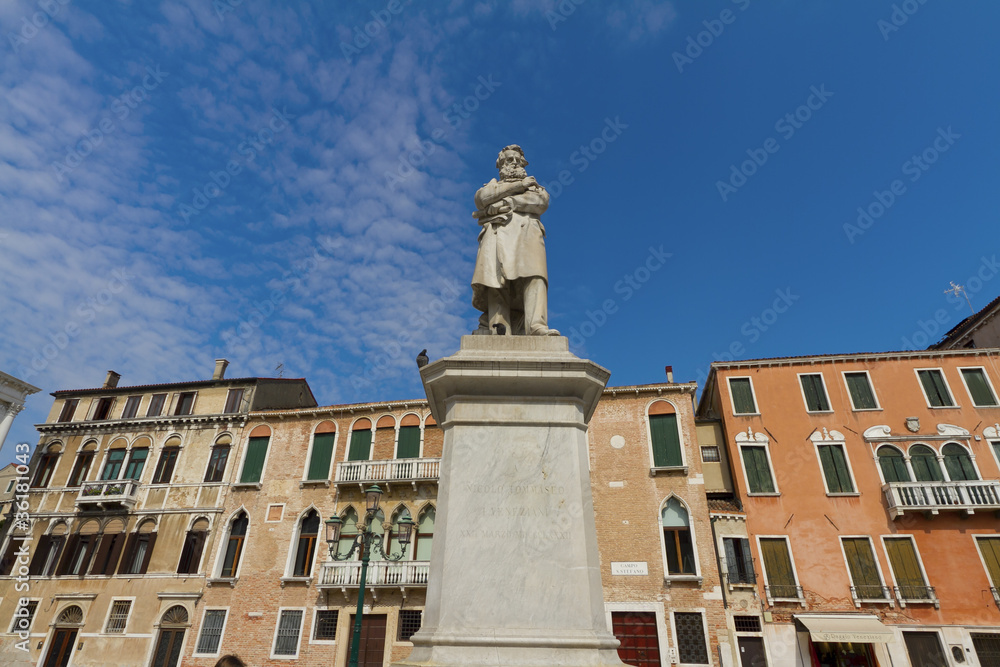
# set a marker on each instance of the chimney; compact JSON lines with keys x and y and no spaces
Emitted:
{"x":111,"y":380}
{"x":220,"y":369}
{"x":670,"y":373}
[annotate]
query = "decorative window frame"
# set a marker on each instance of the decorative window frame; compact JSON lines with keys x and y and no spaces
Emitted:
{"x":174,"y":402}
{"x":399,"y":425}
{"x":663,"y":623}
{"x":298,"y":643}
{"x":95,"y":401}
{"x":667,"y":577}
{"x":920,"y":563}
{"x":312,"y":627}
{"x":732,"y":401}
{"x":371,"y":445}
{"x":293,"y":549}
{"x":991,"y":434}
{"x":826,"y":394}
{"x":968,"y":450}
{"x":305,"y":481}
{"x":138,"y":410}
{"x":899,"y":448}
{"x":834,"y":438}
{"x":871,"y":385}
{"x":128,"y":618}
{"x":244,"y":450}
{"x":749,"y":438}
{"x":989,"y":383}
{"x":201,"y":629}
{"x":675,"y":646}
{"x":944,"y":378}
{"x":763,"y":570}
{"x":681,"y":441}
{"x":890,"y":599}
{"x":220,"y":549}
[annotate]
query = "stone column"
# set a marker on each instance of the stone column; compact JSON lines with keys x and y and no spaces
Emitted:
{"x":514,"y":574}
{"x":7,"y":412}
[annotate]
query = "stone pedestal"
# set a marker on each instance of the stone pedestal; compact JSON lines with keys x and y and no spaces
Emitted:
{"x":514,"y":574}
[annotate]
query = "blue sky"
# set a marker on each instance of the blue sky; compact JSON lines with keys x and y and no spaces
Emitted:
{"x":265,"y":182}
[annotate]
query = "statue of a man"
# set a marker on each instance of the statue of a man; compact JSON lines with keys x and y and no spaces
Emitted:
{"x":510,"y":283}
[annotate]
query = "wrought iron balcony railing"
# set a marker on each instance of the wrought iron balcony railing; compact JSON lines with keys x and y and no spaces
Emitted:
{"x":916,"y":595}
{"x":871,"y":593}
{"x":784,"y":593}
{"x":932,"y":497}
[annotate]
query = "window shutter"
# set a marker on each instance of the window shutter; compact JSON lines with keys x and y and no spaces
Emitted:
{"x":253,"y":465}
{"x":322,"y":452}
{"x":409,"y":442}
{"x":838,"y":480}
{"x":68,"y":553}
{"x":41,"y":555}
{"x":903,"y":558}
{"x":129,"y":549}
{"x":893,"y":467}
{"x":758,"y":471}
{"x":742,"y":395}
{"x":777,"y":562}
{"x":975,"y":379}
{"x":149,"y":554}
{"x":361,"y":442}
{"x":925,"y":465}
{"x":731,"y":565}
{"x":937,"y":392}
{"x":812,"y":386}
{"x":864,"y":572}
{"x":990,"y":548}
{"x":861,"y":391}
{"x":666,"y":440}
{"x":958,"y":463}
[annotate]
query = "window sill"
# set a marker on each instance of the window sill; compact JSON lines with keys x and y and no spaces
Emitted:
{"x":296,"y":580}
{"x":746,"y":414}
{"x":661,"y":470}
{"x":314,"y":482}
{"x":866,"y":409}
{"x":764,"y":495}
{"x":682,"y":578}
{"x":984,"y":407}
{"x":944,"y":407}
{"x":819,"y":412}
{"x":210,"y":581}
{"x":852,"y":494}
{"x":247,"y":485}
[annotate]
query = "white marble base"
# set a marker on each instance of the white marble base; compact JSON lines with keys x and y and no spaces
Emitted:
{"x":514,"y":574}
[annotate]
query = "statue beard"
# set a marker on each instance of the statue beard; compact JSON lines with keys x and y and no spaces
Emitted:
{"x":512,"y":173}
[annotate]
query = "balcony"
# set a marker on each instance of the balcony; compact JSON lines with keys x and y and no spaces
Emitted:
{"x":784,"y":593}
{"x":932,"y":497}
{"x":872,"y":594}
{"x":917,"y":595}
{"x":387,"y":471}
{"x":108,"y":494}
{"x":381,"y":574}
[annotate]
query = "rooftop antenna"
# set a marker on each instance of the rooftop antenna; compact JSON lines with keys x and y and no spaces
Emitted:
{"x":959,"y":289}
{"x":279,"y":369}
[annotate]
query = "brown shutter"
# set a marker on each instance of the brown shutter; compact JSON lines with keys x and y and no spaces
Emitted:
{"x":68,"y":553}
{"x":40,"y":555}
{"x":129,"y":547}
{"x":149,"y":553}
{"x":10,"y":556}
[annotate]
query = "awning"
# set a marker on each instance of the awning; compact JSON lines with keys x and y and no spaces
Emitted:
{"x":861,"y":629}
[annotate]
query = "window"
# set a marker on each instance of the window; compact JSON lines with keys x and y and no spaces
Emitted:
{"x":325,"y":625}
{"x":322,"y":454}
{"x":958,"y":463}
{"x":306,"y":545}
{"x":890,"y":460}
{"x":185,"y":403}
{"x":68,"y":410}
{"x":165,"y":466}
{"x":739,"y":561}
{"x":113,"y":464}
{"x":136,"y":461}
{"x":408,"y":445}
{"x":859,"y":386}
{"x":286,"y":638}
{"x":47,"y":553}
{"x":253,"y":464}
{"x":691,"y":646}
{"x":156,"y":402}
{"x":103,"y":409}
{"x":234,"y":545}
{"x":814,"y":392}
{"x":10,"y":485}
{"x":757,"y":468}
{"x":234,"y":400}
{"x":109,"y":551}
{"x":677,"y":538}
{"x":46,"y":466}
{"x":409,"y":623}
{"x":836,"y":474}
{"x":425,"y":535}
{"x":118,"y":618}
{"x":138,"y":551}
{"x":925,"y":464}
{"x":779,"y":574}
{"x":747,"y":623}
{"x":217,"y":463}
{"x":905,"y":563}
{"x":194,"y":544}
{"x":979,"y":387}
{"x":935,"y":388}
{"x":78,"y":553}
{"x":393,"y":546}
{"x":664,"y":436}
{"x":211,"y":632}
{"x":24,"y":616}
{"x":131,"y":407}
{"x":741,"y":390}
{"x":80,"y":468}
{"x":710,"y":454}
{"x":361,"y":441}
{"x":989,"y":548}
{"x":348,"y":532}
{"x":866,"y":583}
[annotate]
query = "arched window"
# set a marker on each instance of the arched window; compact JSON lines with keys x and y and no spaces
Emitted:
{"x":890,"y":460}
{"x":80,"y":549}
{"x":168,"y":459}
{"x":408,"y":443}
{"x":217,"y":459}
{"x":47,"y":552}
{"x":168,"y":646}
{"x":925,"y":464}
{"x":378,"y":527}
{"x":322,"y":451}
{"x":137,"y":459}
{"x":139,"y":549}
{"x":677,"y":538}
{"x":82,"y":465}
{"x":194,"y":544}
{"x":115,"y":459}
{"x":393,"y":547}
{"x":424,"y":539}
{"x":256,"y":455}
{"x":348,"y":531}
{"x":305,"y":550}
{"x":110,"y":548}
{"x":361,"y":440}
{"x":958,"y":463}
{"x":46,"y":467}
{"x":664,"y":435}
{"x":234,"y":545}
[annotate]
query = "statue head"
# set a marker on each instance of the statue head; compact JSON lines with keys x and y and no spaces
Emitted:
{"x":511,"y":163}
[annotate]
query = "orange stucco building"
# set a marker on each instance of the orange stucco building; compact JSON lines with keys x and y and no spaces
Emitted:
{"x":870,"y":485}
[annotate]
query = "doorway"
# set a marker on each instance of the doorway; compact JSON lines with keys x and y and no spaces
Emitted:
{"x":752,"y":652}
{"x":924,"y":649}
{"x":61,"y":647}
{"x":372,"y":647}
{"x":636,"y":630}
{"x":168,"y":647}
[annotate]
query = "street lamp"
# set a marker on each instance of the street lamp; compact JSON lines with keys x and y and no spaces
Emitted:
{"x":365,"y":541}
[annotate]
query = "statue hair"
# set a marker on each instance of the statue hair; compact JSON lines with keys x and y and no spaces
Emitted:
{"x":512,"y":147}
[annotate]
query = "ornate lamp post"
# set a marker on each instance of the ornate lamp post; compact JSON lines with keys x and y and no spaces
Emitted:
{"x":365,"y":541}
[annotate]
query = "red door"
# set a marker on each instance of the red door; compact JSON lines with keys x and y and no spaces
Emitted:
{"x":372,"y":647}
{"x":637,"y":633}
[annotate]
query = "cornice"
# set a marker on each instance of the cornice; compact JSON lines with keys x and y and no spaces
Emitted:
{"x":119,"y":425}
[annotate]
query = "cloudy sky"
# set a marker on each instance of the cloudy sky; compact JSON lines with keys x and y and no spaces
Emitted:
{"x":289,"y":185}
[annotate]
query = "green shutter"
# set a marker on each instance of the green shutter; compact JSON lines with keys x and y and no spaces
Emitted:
{"x":893,"y":466}
{"x":322,"y":452}
{"x":934,"y":387}
{"x":812,"y":386}
{"x":758,"y":471}
{"x":861,"y":391}
{"x":925,"y":465}
{"x":838,"y":479}
{"x":975,"y":379}
{"x":905,"y":567}
{"x":958,"y":463}
{"x":253,"y":465}
{"x":666,"y":440}
{"x":864,"y":571}
{"x":742,"y":396}
{"x":990,"y":548}
{"x":408,"y":446}
{"x":778,"y":564}
{"x":361,"y":445}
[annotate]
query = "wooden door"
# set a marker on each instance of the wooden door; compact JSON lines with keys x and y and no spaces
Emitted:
{"x":924,"y":649}
{"x":168,"y":647}
{"x":372,"y":647}
{"x":637,"y":633}
{"x":61,"y":648}
{"x":752,"y":652}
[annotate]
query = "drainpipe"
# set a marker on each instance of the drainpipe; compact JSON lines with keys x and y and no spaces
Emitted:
{"x":718,"y":562}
